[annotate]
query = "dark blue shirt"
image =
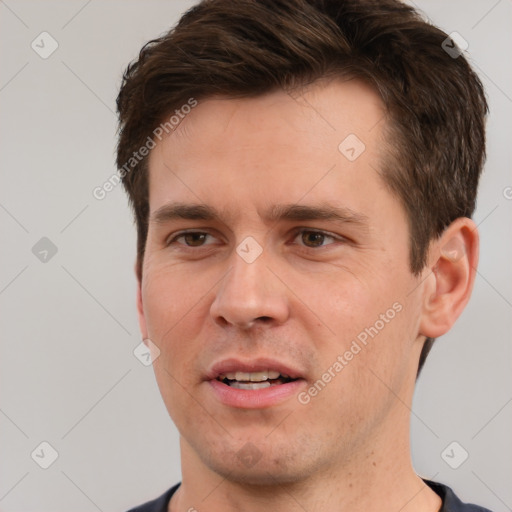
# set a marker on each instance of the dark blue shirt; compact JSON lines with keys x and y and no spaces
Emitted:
{"x":450,"y":502}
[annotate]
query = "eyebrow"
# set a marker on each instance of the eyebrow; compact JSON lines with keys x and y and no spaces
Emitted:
{"x":296,"y":212}
{"x":287,"y":212}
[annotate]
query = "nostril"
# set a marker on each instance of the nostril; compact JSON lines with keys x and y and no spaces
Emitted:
{"x":255,"y":322}
{"x":264,"y":319}
{"x":222,"y":321}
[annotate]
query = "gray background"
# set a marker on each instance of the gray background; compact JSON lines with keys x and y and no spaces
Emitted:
{"x":68,"y":324}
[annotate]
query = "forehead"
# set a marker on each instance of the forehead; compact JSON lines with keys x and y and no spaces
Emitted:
{"x":325,"y":138}
{"x":328,"y":108}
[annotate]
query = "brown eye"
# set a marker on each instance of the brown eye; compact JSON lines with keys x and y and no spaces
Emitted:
{"x":194,"y":239}
{"x":313,"y":238}
{"x":185,"y":240}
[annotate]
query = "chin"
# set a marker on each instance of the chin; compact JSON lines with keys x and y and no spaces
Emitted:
{"x":264,"y":475}
{"x":251,"y":467}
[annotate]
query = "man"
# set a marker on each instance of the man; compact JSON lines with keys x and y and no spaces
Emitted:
{"x":303,"y":175}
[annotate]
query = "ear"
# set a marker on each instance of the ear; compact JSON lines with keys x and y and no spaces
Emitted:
{"x":453,"y":259}
{"x":140,"y":308}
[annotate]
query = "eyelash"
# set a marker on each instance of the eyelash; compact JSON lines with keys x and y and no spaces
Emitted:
{"x":296,"y":233}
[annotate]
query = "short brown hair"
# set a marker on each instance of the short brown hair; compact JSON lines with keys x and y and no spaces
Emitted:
{"x":245,"y":48}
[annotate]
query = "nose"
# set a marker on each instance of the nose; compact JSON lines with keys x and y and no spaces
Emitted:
{"x":250,"y":294}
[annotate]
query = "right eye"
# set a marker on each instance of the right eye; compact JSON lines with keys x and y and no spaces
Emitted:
{"x":190,"y":239}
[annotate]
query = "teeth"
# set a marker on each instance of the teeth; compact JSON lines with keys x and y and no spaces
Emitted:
{"x":251,"y":376}
{"x":250,"y":385}
{"x":257,"y":376}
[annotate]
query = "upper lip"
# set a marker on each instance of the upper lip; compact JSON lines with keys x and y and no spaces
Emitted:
{"x":253,"y":365}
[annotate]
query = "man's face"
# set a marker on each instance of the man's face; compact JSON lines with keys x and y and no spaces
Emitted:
{"x":276,"y":280}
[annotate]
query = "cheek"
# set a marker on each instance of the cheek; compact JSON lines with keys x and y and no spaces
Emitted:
{"x":370,"y":327}
{"x":175,"y":307}
{"x":170,"y":296}
{"x":348,"y":305}
{"x":372,"y":375}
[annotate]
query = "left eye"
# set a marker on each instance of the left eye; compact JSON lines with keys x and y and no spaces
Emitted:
{"x":313,"y":239}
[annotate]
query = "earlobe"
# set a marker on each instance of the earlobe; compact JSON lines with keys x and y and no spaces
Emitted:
{"x":454,"y":258}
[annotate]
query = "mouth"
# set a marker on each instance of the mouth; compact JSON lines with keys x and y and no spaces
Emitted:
{"x":254,"y":384}
{"x":254,"y":380}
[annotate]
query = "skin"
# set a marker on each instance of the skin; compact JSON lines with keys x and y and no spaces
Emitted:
{"x":302,"y":301}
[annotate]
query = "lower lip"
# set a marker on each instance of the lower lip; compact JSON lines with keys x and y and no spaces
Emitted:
{"x":255,"y":398}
